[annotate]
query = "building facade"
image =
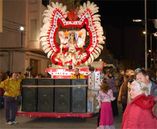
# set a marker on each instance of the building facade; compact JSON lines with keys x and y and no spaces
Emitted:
{"x":21,"y":49}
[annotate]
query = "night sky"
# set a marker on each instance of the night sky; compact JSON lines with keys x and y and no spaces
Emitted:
{"x":124,"y":39}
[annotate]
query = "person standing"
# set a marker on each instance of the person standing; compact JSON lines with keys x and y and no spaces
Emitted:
{"x":145,"y":77}
{"x":105,"y":96}
{"x":12,"y":90}
{"x":138,"y":113}
{"x":3,"y":76}
{"x":77,"y":74}
{"x":112,"y":85}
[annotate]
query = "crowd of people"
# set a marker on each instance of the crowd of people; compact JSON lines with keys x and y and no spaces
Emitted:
{"x":135,"y":90}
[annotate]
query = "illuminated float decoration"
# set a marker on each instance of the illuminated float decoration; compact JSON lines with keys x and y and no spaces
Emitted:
{"x":72,"y":37}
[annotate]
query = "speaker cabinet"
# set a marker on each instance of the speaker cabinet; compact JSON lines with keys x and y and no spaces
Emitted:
{"x":45,"y":95}
{"x":29,"y":82}
{"x":62,"y":95}
{"x":79,"y":96}
{"x":29,"y":95}
{"x":79,"y":82}
{"x":45,"y":82}
{"x":62,"y":99}
{"x":62,"y":82}
{"x":54,"y":95}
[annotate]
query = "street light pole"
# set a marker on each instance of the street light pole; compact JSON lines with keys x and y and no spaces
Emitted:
{"x":145,"y":24}
{"x":21,"y":32}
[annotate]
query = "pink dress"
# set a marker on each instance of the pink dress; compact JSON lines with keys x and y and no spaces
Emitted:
{"x":106,"y":115}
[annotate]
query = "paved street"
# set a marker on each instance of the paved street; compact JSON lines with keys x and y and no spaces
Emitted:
{"x":51,"y":123}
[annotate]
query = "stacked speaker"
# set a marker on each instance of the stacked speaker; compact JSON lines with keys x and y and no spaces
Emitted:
{"x":79,"y":96}
{"x":45,"y":95}
{"x":29,"y":95}
{"x":54,"y":95}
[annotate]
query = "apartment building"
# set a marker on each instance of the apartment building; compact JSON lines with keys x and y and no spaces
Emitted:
{"x":20,"y":47}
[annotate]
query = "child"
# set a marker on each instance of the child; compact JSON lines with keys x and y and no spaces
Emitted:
{"x":105,"y":96}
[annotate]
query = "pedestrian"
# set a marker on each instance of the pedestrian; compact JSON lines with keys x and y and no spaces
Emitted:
{"x":138,"y":113}
{"x":105,"y":96}
{"x":123,"y":96}
{"x":77,"y":74}
{"x":112,"y":85}
{"x":12,"y":90}
{"x":145,"y":77}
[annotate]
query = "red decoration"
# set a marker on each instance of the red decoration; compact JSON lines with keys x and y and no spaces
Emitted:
{"x":56,"y":17}
{"x":72,"y":15}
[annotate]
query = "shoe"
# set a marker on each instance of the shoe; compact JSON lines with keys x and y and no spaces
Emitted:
{"x":9,"y":123}
{"x":14,"y":122}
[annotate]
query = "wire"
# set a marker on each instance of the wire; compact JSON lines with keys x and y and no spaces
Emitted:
{"x":11,"y":29}
{"x":13,"y":22}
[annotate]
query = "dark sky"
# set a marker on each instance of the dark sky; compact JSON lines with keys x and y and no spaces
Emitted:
{"x":124,"y":39}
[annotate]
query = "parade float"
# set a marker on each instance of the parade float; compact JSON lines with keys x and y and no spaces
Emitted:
{"x":70,"y":39}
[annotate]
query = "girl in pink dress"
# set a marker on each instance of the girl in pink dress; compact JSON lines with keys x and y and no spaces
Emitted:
{"x":105,"y":97}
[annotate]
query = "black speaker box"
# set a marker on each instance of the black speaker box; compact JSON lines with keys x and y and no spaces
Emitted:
{"x":62,"y":99}
{"x":29,"y":95}
{"x":45,"y":95}
{"x":29,"y":81}
{"x":79,"y":82}
{"x":62,"y":82}
{"x":79,"y":96}
{"x":29,"y":99}
{"x":62,"y":95}
{"x":45,"y":82}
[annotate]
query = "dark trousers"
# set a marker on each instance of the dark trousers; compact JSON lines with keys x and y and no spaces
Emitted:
{"x":115,"y":107}
{"x":10,"y":108}
{"x":1,"y":102}
{"x":124,"y":104}
{"x":98,"y":118}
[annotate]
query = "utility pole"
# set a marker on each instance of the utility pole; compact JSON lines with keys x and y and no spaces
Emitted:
{"x":145,"y":25}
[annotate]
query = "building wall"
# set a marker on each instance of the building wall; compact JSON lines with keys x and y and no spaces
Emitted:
{"x":42,"y":61}
{"x":33,"y":24}
{"x":13,"y":18}
{"x":1,"y":8}
{"x":18,"y":49}
{"x":4,"y":61}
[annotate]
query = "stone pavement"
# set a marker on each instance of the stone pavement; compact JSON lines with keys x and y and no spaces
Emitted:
{"x":51,"y":123}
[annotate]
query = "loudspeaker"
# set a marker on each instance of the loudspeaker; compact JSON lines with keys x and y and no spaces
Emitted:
{"x":45,"y":95}
{"x":29,"y":81}
{"x":79,"y":82}
{"x":29,"y":95}
{"x":62,"y":95}
{"x":62,"y":82}
{"x":45,"y":82}
{"x":79,"y":96}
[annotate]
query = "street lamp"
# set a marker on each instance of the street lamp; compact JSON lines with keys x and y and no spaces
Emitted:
{"x":153,"y":48}
{"x":145,"y":32}
{"x":21,"y":28}
{"x":145,"y":26}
